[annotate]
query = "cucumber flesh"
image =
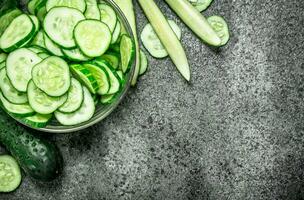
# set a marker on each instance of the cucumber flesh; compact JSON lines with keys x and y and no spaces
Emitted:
{"x":7,"y":18}
{"x":127,"y":51}
{"x":52,"y":76}
{"x":75,"y":55}
{"x":39,"y":40}
{"x":83,"y":114}
{"x":220,"y":26}
{"x":78,"y":4}
{"x":116,"y":33}
{"x":37,"y":120}
{"x":201,"y":5}
{"x":92,"y":11}
{"x":143,"y":63}
{"x":112,"y":59}
{"x":10,"y":174}
{"x":108,"y":16}
{"x":52,"y":47}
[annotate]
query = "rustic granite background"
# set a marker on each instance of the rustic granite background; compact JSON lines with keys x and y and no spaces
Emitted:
{"x":235,"y":132}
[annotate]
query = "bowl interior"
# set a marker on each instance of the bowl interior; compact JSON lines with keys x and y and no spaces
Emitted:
{"x":102,"y":111}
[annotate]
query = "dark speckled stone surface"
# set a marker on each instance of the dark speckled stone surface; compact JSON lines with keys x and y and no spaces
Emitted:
{"x":235,"y":132}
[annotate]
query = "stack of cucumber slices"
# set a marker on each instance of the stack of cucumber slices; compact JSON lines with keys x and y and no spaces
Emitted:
{"x":61,"y":60}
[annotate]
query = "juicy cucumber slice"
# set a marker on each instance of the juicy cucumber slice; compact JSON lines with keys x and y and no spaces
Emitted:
{"x":20,"y":110}
{"x":116,"y":33}
{"x":102,"y":77}
{"x":127,"y":53}
{"x":19,"y":66}
{"x":78,"y":4}
{"x":220,"y":26}
{"x":20,"y":30}
{"x":9,"y":92}
{"x":41,"y":102}
{"x":108,"y":16}
{"x":59,"y":24}
{"x":112,"y":58}
{"x":93,"y":37}
{"x":152,"y":43}
{"x":39,"y":40}
{"x":75,"y":55}
{"x":10,"y":174}
{"x":113,"y":76}
{"x":92,"y":11}
{"x":37,"y":120}
{"x":83,"y":75}
{"x":52,"y":47}
{"x":52,"y":76}
{"x":201,"y":5}
{"x":83,"y":114}
{"x":75,"y":98}
{"x":143,"y":63}
{"x":7,"y":18}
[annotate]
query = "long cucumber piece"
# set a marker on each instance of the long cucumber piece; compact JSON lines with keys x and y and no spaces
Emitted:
{"x":195,"y":20}
{"x":127,"y":8}
{"x":166,"y":36}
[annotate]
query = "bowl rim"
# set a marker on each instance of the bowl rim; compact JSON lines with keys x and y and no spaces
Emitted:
{"x":111,"y":107}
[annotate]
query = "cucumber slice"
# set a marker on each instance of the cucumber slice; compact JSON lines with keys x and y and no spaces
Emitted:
{"x":112,"y":58}
{"x":43,"y":55}
{"x":220,"y":26}
{"x":52,"y":76}
{"x":38,"y":5}
{"x":113,"y":76}
{"x":127,"y":53}
{"x":143,"y":63}
{"x":20,"y":110}
{"x":32,"y":5}
{"x":201,"y":5}
{"x":75,"y":55}
{"x":59,"y":24}
{"x":7,"y":18}
{"x":19,"y":66}
{"x":39,"y":40}
{"x":3,"y":57}
{"x":152,"y":43}
{"x":108,"y":16}
{"x":93,"y":37}
{"x":41,"y":13}
{"x":107,"y":99}
{"x":20,"y":30}
{"x":10,"y":175}
{"x":2,"y":65}
{"x":38,"y":120}
{"x":41,"y":102}
{"x":102,"y":77}
{"x":83,"y":114}
{"x":37,"y":49}
{"x":92,"y":11}
{"x":78,"y":4}
{"x":37,"y":27}
{"x":52,"y":47}
{"x":9,"y":92}
{"x":116,"y":33}
{"x":83,"y":75}
{"x":75,"y":98}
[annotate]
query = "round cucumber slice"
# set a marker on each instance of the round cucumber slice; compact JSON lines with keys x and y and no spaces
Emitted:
{"x":143,"y":63}
{"x":59,"y":24}
{"x":78,"y":4}
{"x":108,"y":16}
{"x":10,"y":175}
{"x":19,"y":66}
{"x":127,"y":52}
{"x":7,"y":18}
{"x":9,"y":92}
{"x":38,"y":120}
{"x":20,"y":30}
{"x":52,"y":76}
{"x":83,"y":114}
{"x":220,"y":26}
{"x":75,"y":98}
{"x":93,"y":37}
{"x":41,"y":102}
{"x":75,"y":55}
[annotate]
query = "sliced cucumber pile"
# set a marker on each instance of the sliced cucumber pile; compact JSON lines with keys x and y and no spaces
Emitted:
{"x":59,"y":60}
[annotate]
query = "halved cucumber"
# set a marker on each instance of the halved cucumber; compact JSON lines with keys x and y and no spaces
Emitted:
{"x":19,"y":66}
{"x":37,"y":120}
{"x":20,"y":30}
{"x":152,"y":43}
{"x":143,"y":63}
{"x":127,"y":52}
{"x":220,"y":26}
{"x":39,"y":40}
{"x":7,"y":18}
{"x":9,"y":92}
{"x":20,"y":110}
{"x":75,"y":55}
{"x":78,"y":4}
{"x":108,"y":16}
{"x":112,"y":58}
{"x":59,"y":24}
{"x":83,"y":75}
{"x":113,"y":76}
{"x":116,"y":33}
{"x":10,"y":174}
{"x":102,"y":77}
{"x":52,"y":76}
{"x":75,"y":98}
{"x":92,"y":11}
{"x":41,"y":102}
{"x":52,"y":47}
{"x":83,"y":114}
{"x":93,"y":37}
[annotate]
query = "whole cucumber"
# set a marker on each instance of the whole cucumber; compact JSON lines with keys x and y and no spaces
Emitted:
{"x":39,"y":158}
